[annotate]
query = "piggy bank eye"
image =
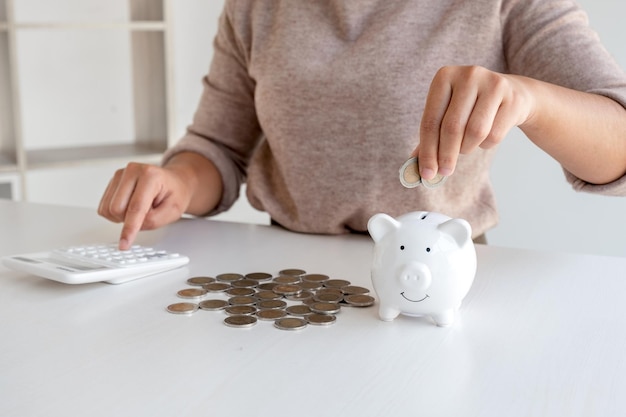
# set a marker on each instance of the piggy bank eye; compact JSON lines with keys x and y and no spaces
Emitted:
{"x":402,"y":247}
{"x":427,"y":249}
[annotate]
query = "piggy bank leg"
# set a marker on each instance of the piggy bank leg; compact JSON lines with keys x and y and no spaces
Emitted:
{"x":387,"y":313}
{"x":444,"y":318}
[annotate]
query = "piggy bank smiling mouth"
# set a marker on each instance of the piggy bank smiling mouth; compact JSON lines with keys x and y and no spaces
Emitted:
{"x":413,"y":301}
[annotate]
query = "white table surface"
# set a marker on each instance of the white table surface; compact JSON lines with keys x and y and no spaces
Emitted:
{"x":539,"y":334}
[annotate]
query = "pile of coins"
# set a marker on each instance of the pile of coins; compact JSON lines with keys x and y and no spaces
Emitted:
{"x":292,"y":300}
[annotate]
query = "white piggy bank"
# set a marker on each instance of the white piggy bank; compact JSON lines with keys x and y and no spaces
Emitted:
{"x":424,"y":264}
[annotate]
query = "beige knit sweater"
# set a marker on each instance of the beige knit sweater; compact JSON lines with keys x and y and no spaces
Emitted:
{"x":317,"y":103}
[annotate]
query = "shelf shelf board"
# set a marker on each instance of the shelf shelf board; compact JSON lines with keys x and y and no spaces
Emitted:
{"x":63,"y":157}
{"x":132,"y":26}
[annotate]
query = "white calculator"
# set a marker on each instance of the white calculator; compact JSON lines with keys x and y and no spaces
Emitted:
{"x":94,"y":263}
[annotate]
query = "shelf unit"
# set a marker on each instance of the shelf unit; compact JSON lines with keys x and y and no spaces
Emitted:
{"x":143,"y":30}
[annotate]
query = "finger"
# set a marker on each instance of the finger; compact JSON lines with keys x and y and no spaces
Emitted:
{"x":103,"y":206}
{"x":139,"y":205}
{"x":453,"y":127}
{"x":480,"y":123}
{"x":505,"y":120}
{"x":437,"y":101}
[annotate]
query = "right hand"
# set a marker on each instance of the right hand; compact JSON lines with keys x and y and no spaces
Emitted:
{"x":145,"y":197}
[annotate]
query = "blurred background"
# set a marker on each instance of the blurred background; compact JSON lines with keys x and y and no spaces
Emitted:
{"x":86,"y":86}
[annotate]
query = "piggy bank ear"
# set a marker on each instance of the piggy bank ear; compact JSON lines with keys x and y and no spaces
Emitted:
{"x":380,"y":224}
{"x":459,"y":229}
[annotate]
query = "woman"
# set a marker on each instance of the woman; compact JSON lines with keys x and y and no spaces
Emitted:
{"x":316,"y":105}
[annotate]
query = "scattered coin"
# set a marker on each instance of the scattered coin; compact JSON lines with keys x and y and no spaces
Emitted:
{"x":267,"y":295}
{"x":271,"y":304}
{"x":240,"y":291}
{"x":286,"y":279}
{"x":359,"y":300}
{"x":242,"y":300}
{"x":182,"y":308}
{"x":315,"y":277}
{"x":310,"y":285}
{"x":304,"y":295}
{"x":200,"y":280}
{"x":267,"y":286}
{"x":298,"y":310}
{"x":229,"y":277}
{"x":328,"y":297}
{"x":287,"y":289}
{"x":271,"y":314}
{"x":240,"y":321}
{"x":259,"y":276}
{"x":290,"y":323}
{"x":336,"y":283}
{"x":216,"y":287}
{"x":292,"y":272}
{"x":321,"y":319}
{"x":192,"y":293}
{"x":244,"y":283}
{"x":240,"y":310}
{"x":213,"y":305}
{"x":354,"y":289}
{"x":325,"y":308}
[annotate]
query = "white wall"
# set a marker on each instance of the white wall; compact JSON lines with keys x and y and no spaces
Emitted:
{"x":538,"y":209}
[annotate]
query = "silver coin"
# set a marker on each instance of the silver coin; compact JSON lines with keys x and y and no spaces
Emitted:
{"x":315,"y":277}
{"x":299,"y":310}
{"x":437,"y":181}
{"x":333,"y":291}
{"x":328,"y":297}
{"x":354,"y":289}
{"x":240,"y":321}
{"x":336,"y":283}
{"x":296,"y":272}
{"x":242,"y":300}
{"x":325,"y":308}
{"x":182,"y":308}
{"x":267,"y":286}
{"x":267,"y":295}
{"x":216,"y":287}
{"x":200,"y":280}
{"x":192,"y":293}
{"x":410,"y":177}
{"x":310,"y":285}
{"x":228,"y":277}
{"x":244,"y":283}
{"x":359,"y":300}
{"x":240,"y":310}
{"x":290,"y":323}
{"x":259,"y":276}
{"x":321,"y":319}
{"x":286,"y":279}
{"x":304,"y":295}
{"x":240,"y":291}
{"x":213,"y":305}
{"x":409,"y":174}
{"x":271,"y":304}
{"x":287,"y":289}
{"x":271,"y":314}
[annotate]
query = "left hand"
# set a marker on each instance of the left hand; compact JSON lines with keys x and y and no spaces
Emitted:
{"x":468,"y":107}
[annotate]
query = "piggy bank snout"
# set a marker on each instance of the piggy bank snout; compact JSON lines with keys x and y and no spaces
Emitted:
{"x":415,"y":276}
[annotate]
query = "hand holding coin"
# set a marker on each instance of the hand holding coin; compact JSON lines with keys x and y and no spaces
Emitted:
{"x":410,"y":176}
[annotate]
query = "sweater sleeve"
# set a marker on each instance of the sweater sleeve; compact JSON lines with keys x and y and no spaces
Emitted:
{"x":553,"y":42}
{"x":225,"y":128}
